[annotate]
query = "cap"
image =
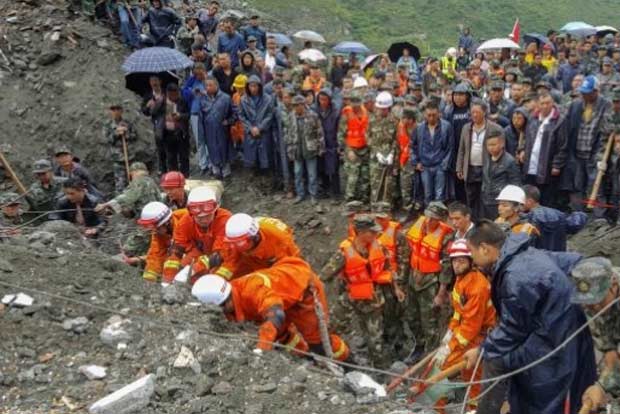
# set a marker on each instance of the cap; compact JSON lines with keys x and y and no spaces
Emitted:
{"x":251,"y":39}
{"x":116,"y":106}
{"x":355,"y":99}
{"x":41,"y":166}
{"x":279,"y":70}
{"x":436,"y":210}
{"x":137,"y":166}
{"x":410,"y":113}
{"x":592,"y":279}
{"x":382,"y":209}
{"x":370,"y":96}
{"x":363,"y":222}
{"x":254,"y":16}
{"x":543,"y":84}
{"x":589,"y":85}
{"x":497,"y":84}
{"x":353,"y":207}
{"x":10,"y":199}
{"x":607,"y":61}
{"x":527,"y":80}
{"x":417,"y":87}
{"x":299,"y":100}
{"x":62,"y":150}
{"x":530,"y":96}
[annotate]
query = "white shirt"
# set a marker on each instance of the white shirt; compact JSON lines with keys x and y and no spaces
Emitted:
{"x":270,"y":62}
{"x":477,"y":141}
{"x":459,"y":236}
{"x":532,"y":169}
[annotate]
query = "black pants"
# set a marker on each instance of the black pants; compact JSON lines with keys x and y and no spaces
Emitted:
{"x":473,"y":187}
{"x":491,"y":402}
{"x":161,"y":154}
{"x":176,"y":145}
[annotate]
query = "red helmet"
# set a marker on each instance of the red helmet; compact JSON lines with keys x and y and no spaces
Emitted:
{"x":172,"y":179}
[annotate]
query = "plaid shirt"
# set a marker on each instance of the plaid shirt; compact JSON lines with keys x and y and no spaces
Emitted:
{"x":600,"y":124}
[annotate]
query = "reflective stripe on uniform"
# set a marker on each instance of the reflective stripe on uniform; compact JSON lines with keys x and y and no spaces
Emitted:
{"x":266,"y":280}
{"x":290,"y":345}
{"x":461,"y":339}
{"x":341,"y":350}
{"x":172,"y":264}
{"x":456,"y":316}
{"x":455,"y":296}
{"x":204,"y":259}
{"x":150,"y":275}
{"x":225,"y":273}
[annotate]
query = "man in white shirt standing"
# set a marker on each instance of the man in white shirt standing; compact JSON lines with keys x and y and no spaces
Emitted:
{"x":545,"y":150}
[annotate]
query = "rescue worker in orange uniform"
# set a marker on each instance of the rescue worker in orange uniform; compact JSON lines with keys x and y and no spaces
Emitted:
{"x":510,"y":203}
{"x":281,"y":300}
{"x":363,"y":268}
{"x":428,"y":308}
{"x":405,"y":127}
{"x":352,"y":136}
{"x":251,"y":244}
{"x":201,"y":232}
{"x":173,"y":184}
{"x":474,"y":314}
{"x":161,"y":221}
{"x":392,"y":238}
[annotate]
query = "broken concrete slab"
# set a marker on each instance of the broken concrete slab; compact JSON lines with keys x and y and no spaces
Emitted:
{"x":129,"y":399}
{"x":93,"y":372}
{"x":365,"y":388}
{"x":115,"y":331}
{"x":20,"y":300}
{"x":186,"y":359}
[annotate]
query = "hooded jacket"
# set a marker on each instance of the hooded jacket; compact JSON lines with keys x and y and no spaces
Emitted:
{"x":329,"y":120}
{"x":512,"y":135}
{"x":531,"y":292}
{"x":554,"y":226}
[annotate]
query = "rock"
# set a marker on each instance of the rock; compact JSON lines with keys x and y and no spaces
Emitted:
{"x":77,"y":325}
{"x":265,"y":388}
{"x":222,"y":388}
{"x":204,"y":385}
{"x":398,"y":367}
{"x":48,"y":58}
{"x":21,"y":300}
{"x":55,"y":37}
{"x":12,"y":19}
{"x":102,"y":43}
{"x":364,"y":387}
{"x":26,"y":353}
{"x":255,"y":408}
{"x":129,"y":399}
{"x":115,"y":333}
{"x":69,"y":84}
{"x":6,"y":267}
{"x":171,"y":295}
{"x":187,"y":337}
{"x":93,"y":372}
{"x":44,"y":237}
{"x":335,"y":400}
{"x":186,"y":359}
{"x":322,"y":396}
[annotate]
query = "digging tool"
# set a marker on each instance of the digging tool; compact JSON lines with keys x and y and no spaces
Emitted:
{"x":600,"y":174}
{"x":382,"y":183}
{"x":131,"y":16}
{"x":397,"y":381}
{"x":20,"y":187}
{"x":327,"y":345}
{"x":436,"y":379}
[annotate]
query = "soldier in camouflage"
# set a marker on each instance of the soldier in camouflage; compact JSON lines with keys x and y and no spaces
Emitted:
{"x":406,"y":171}
{"x":597,"y":286}
{"x":365,"y":284}
{"x":44,"y":193}
{"x":352,"y":133}
{"x":141,"y":190}
{"x":12,"y":213}
{"x":115,"y":131}
{"x":384,"y":150}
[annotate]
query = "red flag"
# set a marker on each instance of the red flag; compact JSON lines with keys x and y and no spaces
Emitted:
{"x":516,"y":31}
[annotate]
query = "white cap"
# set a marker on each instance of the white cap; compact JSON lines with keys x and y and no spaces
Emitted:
{"x":451,"y":52}
{"x":384,"y":100}
{"x":155,"y":213}
{"x":211,"y":290}
{"x":241,"y":224}
{"x":360,"y":82}
{"x":512,"y":193}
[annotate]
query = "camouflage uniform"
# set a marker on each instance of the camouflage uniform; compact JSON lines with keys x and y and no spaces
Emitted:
{"x":7,"y":199}
{"x":114,"y":143}
{"x":382,"y":143}
{"x":358,"y":170}
{"x":40,"y":198}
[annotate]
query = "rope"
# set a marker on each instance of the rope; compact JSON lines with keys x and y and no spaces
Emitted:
{"x":473,"y":375}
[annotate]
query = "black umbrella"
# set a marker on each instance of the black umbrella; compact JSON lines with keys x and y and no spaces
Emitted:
{"x":396,"y":51}
{"x":139,"y":82}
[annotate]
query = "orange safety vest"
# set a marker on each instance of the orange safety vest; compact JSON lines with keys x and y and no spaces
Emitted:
{"x":360,"y":281}
{"x":387,"y":239}
{"x":525,"y":228}
{"x":314,"y":84}
{"x":356,"y":128}
{"x":426,"y":248}
{"x":402,"y":135}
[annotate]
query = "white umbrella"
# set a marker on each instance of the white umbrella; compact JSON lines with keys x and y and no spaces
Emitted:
{"x":310,"y":36}
{"x":604,"y":30}
{"x":500,"y":43}
{"x":313,"y":55}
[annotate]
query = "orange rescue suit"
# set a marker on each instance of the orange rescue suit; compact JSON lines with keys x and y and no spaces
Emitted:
{"x":357,"y":126}
{"x":402,"y":135}
{"x":362,"y":273}
{"x":426,"y":248}
{"x":474,"y":315}
{"x":287,"y":284}
{"x":190,"y":241}
{"x":388,"y":240}
{"x":159,"y":249}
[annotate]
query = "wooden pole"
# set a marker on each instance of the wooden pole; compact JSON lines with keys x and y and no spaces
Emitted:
{"x":20,"y":187}
{"x":126,"y":157}
{"x":397,"y":381}
{"x":591,"y":202}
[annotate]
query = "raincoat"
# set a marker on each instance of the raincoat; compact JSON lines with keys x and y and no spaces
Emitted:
{"x":215,"y":117}
{"x":257,"y":111}
{"x":554,"y":226}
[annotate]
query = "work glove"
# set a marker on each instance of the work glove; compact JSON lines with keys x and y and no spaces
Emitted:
{"x":389,"y":160}
{"x":447,"y":337}
{"x":601,"y":166}
{"x":183,"y":275}
{"x":441,"y":355}
{"x":380,"y":158}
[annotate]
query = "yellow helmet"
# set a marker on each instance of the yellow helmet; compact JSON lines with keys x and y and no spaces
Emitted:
{"x":240,"y":81}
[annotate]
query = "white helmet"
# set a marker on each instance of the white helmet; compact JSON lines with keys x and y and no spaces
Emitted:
{"x":360,"y":82}
{"x":459,"y":249}
{"x":384,"y":100}
{"x":202,"y":200}
{"x":512,"y":193}
{"x":154,"y":214}
{"x":211,"y":290}
{"x":451,"y":52}
{"x":241,"y":225}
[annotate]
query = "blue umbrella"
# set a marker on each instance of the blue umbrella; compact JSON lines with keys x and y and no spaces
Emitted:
{"x":156,"y":60}
{"x":537,"y":38}
{"x":351,"y":47}
{"x":281,"y":39}
{"x":579,"y":29}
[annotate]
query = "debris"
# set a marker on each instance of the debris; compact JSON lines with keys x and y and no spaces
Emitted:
{"x":114,"y":333}
{"x":366,"y":389}
{"x":186,"y":359}
{"x":266,"y":388}
{"x":129,"y":399}
{"x":20,"y":300}
{"x":93,"y":372}
{"x":48,"y":58}
{"x":77,"y":325}
{"x":47,"y":357}
{"x":5,"y":266}
{"x":222,"y":388}
{"x":172,"y":295}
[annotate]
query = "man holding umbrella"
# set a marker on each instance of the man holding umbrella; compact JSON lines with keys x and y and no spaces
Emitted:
{"x":163,"y":24}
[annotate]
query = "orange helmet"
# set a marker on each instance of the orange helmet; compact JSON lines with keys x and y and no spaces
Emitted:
{"x":172,"y":179}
